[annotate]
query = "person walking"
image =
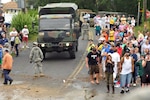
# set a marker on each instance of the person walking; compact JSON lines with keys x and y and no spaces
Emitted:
{"x":36,"y":56}
{"x":85,"y":30}
{"x":126,"y":68}
{"x":109,"y":73}
{"x":92,"y":61}
{"x":7,"y":67}
{"x":25,"y":33}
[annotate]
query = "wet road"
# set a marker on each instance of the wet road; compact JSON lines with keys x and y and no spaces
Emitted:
{"x":66,"y":79}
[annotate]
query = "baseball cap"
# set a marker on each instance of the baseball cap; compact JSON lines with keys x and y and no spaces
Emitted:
{"x":127,"y":51}
{"x":35,"y":43}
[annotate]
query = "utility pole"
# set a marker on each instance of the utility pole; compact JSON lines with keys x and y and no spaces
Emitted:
{"x":138,"y":18}
{"x":144,"y":9}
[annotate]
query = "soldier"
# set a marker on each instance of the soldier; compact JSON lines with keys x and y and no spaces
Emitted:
{"x":85,"y":30}
{"x":36,"y":56}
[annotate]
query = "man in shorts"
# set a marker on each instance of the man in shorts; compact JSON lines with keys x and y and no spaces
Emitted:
{"x":92,"y":61}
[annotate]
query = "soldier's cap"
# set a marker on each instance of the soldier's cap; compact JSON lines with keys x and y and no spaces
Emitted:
{"x":35,"y":43}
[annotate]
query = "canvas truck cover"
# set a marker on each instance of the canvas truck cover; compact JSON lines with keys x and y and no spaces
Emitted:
{"x":58,"y":8}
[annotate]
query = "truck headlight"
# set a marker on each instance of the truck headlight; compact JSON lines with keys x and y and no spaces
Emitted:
{"x":41,"y":33}
{"x":67,"y":44}
{"x":68,"y":33}
{"x":42,"y":45}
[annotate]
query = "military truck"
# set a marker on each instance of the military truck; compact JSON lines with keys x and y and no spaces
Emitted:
{"x":58,"y":28}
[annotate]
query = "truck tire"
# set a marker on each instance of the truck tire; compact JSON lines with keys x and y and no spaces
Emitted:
{"x":76,"y":48}
{"x":72,"y":54}
{"x":44,"y":53}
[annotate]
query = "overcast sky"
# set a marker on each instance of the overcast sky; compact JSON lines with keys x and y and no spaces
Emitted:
{"x":4,"y":1}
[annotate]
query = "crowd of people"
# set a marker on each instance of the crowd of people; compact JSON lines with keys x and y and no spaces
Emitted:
{"x":120,"y":54}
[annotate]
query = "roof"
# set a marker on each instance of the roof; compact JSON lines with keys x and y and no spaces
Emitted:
{"x":10,"y":5}
{"x":54,"y":5}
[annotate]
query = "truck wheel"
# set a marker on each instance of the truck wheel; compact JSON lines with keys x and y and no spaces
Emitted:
{"x":76,"y":48}
{"x":44,"y":53}
{"x":72,"y":54}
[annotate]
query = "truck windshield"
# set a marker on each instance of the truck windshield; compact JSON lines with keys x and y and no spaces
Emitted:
{"x":50,"y":24}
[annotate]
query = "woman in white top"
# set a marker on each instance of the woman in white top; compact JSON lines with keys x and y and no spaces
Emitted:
{"x":13,"y":34}
{"x":127,"y":67}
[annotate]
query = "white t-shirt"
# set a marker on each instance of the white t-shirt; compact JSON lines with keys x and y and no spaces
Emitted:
{"x":14,"y":33}
{"x":25,"y":32}
{"x":115,"y":57}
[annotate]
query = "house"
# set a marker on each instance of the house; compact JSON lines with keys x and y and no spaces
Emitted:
{"x":11,"y":7}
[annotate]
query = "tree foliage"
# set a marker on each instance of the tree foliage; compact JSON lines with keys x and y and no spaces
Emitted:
{"x":128,"y":6}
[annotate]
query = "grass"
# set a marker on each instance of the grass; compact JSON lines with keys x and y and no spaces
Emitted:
{"x":33,"y":37}
{"x":141,"y":27}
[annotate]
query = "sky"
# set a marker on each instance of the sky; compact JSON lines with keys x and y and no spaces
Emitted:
{"x":5,"y":1}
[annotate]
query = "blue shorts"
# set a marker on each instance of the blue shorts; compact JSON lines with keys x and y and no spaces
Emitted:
{"x":125,"y":79}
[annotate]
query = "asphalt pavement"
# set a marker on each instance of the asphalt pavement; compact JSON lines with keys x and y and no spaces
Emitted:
{"x":65,"y":79}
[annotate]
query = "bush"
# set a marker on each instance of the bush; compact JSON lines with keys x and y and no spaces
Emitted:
{"x":21,"y":19}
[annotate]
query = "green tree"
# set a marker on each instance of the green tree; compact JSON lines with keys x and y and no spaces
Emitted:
{"x":128,"y":6}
